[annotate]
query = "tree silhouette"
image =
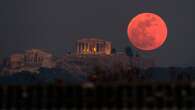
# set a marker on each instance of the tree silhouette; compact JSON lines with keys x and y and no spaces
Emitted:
{"x":113,"y":51}
{"x":129,"y":51}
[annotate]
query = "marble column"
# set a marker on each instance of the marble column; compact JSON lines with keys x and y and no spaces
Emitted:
{"x":77,"y":46}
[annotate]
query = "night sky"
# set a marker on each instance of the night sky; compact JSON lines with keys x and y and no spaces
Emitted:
{"x":55,"y":25}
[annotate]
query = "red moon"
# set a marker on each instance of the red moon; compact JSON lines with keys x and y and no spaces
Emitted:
{"x":147,"y":31}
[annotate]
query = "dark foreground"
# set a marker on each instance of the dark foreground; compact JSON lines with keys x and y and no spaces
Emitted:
{"x":149,"y":95}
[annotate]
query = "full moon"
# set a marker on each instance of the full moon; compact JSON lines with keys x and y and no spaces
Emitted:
{"x":147,"y":31}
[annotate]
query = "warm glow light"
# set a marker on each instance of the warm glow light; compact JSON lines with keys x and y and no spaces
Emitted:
{"x":94,"y":49}
{"x":84,"y":51}
{"x":147,"y":31}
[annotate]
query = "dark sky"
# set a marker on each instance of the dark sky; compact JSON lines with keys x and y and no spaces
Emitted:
{"x":55,"y":25}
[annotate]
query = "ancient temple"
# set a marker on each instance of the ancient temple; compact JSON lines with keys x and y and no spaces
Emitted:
{"x":31,"y":58}
{"x":37,"y":57}
{"x":93,"y":46}
{"x":15,"y":61}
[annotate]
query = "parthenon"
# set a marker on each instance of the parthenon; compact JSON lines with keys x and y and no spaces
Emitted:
{"x":93,"y":46}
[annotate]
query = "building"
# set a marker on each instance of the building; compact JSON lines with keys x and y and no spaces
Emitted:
{"x":38,"y":58}
{"x":30,"y":60}
{"x":93,"y":46}
{"x":15,"y":61}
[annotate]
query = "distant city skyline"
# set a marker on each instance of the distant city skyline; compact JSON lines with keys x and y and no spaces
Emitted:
{"x":57,"y":25}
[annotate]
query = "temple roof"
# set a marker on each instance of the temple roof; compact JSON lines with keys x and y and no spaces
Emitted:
{"x":91,"y":39}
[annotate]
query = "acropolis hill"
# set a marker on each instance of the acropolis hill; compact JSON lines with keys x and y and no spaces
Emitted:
{"x":87,"y":54}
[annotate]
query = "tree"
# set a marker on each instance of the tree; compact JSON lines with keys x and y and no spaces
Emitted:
{"x":129,"y":51}
{"x":113,"y":51}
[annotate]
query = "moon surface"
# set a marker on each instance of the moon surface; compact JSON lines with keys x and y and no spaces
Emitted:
{"x":147,"y":31}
